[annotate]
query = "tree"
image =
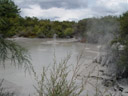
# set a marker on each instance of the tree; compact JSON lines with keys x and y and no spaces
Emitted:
{"x":68,"y":32}
{"x":8,"y":12}
{"x":9,"y":49}
{"x":80,"y":28}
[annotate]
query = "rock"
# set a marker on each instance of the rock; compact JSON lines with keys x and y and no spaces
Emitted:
{"x":124,"y":94}
{"x":97,"y":59}
{"x":108,"y":82}
{"x":120,"y":88}
{"x":101,"y":71}
{"x":118,"y":94}
{"x":94,"y":60}
{"x":103,"y":60}
{"x":125,"y":91}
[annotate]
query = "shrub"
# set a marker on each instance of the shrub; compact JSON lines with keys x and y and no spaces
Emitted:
{"x":59,"y":82}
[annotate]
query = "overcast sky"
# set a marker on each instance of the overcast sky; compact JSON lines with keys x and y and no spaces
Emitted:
{"x":71,"y":9}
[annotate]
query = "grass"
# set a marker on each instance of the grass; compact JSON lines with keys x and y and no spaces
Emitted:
{"x":62,"y":79}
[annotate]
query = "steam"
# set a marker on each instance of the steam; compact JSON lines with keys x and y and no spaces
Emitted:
{"x":102,"y":30}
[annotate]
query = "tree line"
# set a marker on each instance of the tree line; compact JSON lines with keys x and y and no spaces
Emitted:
{"x":12,"y":24}
{"x":33,"y":27}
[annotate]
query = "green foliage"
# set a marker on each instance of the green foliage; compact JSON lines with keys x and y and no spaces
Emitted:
{"x":80,"y":28}
{"x":9,"y":21}
{"x":32,"y":27}
{"x":123,"y":35}
{"x":8,"y":12}
{"x":68,"y":32}
{"x":12,"y":24}
{"x":8,"y":8}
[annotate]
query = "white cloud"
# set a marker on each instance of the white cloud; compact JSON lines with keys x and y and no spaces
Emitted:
{"x":32,"y":10}
{"x":60,"y":13}
{"x":112,"y":7}
{"x":95,"y":8}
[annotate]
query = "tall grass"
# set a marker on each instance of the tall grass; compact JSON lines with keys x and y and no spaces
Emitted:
{"x":59,"y":80}
{"x":64,"y":79}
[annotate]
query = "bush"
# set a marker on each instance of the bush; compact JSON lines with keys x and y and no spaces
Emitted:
{"x":58,"y":83}
{"x":61,"y":80}
{"x":68,"y":32}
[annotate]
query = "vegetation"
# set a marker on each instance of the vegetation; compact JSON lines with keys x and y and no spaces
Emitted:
{"x":9,"y":50}
{"x":32,"y":27}
{"x":60,"y":81}
{"x":91,"y":29}
{"x":80,"y":28}
{"x":9,"y":12}
{"x":65,"y":79}
{"x":122,"y":45}
{"x":108,"y":30}
{"x":95,"y":29}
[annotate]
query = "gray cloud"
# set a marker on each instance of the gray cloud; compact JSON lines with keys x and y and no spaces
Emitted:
{"x":68,"y":4}
{"x":111,"y":7}
{"x":71,"y":9}
{"x":46,"y":4}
